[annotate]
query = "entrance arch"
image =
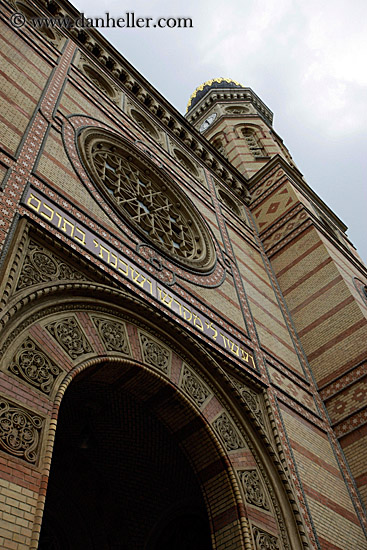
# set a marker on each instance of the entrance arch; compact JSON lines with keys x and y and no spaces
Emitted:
{"x":119,"y":478}
{"x":208,"y":411}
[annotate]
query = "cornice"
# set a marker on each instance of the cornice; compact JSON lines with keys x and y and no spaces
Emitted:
{"x":297,"y":178}
{"x":136,"y":86}
{"x":217,"y":95}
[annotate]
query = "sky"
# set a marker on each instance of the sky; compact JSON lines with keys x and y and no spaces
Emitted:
{"x":305,"y":59}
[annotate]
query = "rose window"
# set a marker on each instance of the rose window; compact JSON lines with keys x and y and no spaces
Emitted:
{"x":148,"y":199}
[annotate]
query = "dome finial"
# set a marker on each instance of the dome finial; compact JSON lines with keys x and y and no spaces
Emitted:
{"x":213,"y":83}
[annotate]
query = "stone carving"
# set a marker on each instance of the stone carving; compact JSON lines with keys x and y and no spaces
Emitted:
{"x":227,"y":433}
{"x":70,"y":337}
{"x":252,"y":488}
{"x":19,"y":431}
{"x":161,"y":271}
{"x":185,"y":162}
{"x":194,"y":387}
{"x":229,"y":202}
{"x":251,"y":399}
{"x":144,"y":124}
{"x":265,"y":541}
{"x":237,"y":110}
{"x":155,"y":354}
{"x":113,"y":335}
{"x":42,"y":266}
{"x":98,"y":80}
{"x":31,"y":364}
{"x":219,"y":147}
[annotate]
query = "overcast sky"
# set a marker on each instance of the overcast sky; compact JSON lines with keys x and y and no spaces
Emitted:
{"x":306,"y":59}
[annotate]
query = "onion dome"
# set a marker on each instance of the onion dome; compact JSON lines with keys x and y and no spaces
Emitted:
{"x":220,"y":83}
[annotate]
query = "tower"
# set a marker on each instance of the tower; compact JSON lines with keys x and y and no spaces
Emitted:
{"x":168,"y":287}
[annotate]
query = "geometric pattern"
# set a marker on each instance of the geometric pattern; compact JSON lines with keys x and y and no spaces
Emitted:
{"x":276,"y":204}
{"x":293,"y":390}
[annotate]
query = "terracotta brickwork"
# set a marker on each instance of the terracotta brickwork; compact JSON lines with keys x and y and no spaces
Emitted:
{"x":204,"y":360}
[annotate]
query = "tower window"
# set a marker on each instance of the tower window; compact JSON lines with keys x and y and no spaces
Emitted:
{"x":253,"y":143}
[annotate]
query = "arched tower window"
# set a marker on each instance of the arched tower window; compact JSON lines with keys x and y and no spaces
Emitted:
{"x":253,"y":142}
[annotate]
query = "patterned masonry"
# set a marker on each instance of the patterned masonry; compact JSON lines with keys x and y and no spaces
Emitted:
{"x":183,"y":321}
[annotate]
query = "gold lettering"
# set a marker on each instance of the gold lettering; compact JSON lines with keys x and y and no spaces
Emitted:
{"x":165,"y":297}
{"x":136,"y":277}
{"x":150,"y":285}
{"x":179,"y":306}
{"x":210,"y":326}
{"x":60,"y":218}
{"x":65,"y":229}
{"x":114,"y":256}
{"x":198,"y":323}
{"x":244,"y":355}
{"x":95,"y":243}
{"x":29,"y":202}
{"x":101,"y":249}
{"x":184,"y":314}
{"x":46,"y":215}
{"x":81,"y":240}
{"x":225,"y":340}
{"x":126,"y":272}
{"x":237,"y":352}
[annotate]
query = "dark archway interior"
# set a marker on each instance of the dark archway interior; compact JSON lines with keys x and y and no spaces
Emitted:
{"x":118,"y":479}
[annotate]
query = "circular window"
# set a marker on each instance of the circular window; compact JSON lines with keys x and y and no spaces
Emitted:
{"x":147,"y":199}
{"x":31,"y":14}
{"x":98,"y":81}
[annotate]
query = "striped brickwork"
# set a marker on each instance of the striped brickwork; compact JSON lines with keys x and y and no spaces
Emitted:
{"x":260,"y":453}
{"x":316,"y":273}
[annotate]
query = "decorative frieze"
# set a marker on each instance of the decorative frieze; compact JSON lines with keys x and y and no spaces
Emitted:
{"x":69,"y":335}
{"x":113,"y":335}
{"x":20,"y":431}
{"x":265,"y":541}
{"x":252,"y":488}
{"x":227,"y":432}
{"x":194,"y":386}
{"x":251,"y":398}
{"x":154,"y":353}
{"x":42,"y":266}
{"x":33,"y":366}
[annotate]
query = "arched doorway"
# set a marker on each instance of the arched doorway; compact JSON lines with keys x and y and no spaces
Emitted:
{"x":119,"y":477}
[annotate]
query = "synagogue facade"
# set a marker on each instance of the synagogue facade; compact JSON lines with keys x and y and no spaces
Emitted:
{"x":183,"y":321}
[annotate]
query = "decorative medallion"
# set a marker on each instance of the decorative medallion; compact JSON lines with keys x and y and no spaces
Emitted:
{"x":227,"y":432}
{"x":42,"y":266}
{"x":154,"y":353}
{"x":19,"y":431}
{"x":194,"y":387}
{"x":251,"y":399}
{"x":265,"y":541}
{"x":113,"y":335}
{"x":252,"y":488}
{"x":70,"y":336}
{"x":147,"y":199}
{"x":33,"y":366}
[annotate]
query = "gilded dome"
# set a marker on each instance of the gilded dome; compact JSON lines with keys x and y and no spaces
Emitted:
{"x":209,"y":85}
